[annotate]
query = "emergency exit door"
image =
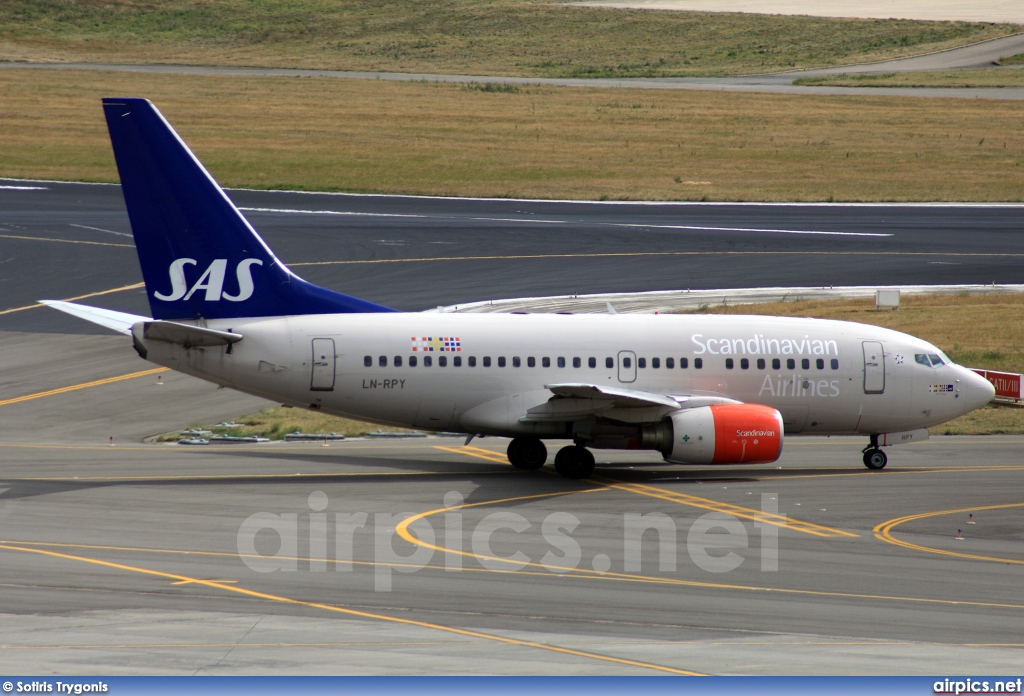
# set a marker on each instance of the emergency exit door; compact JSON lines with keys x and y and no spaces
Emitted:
{"x":323,"y":365}
{"x":874,"y":368}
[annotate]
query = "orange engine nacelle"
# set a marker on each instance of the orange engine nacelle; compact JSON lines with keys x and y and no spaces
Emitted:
{"x":726,"y":434}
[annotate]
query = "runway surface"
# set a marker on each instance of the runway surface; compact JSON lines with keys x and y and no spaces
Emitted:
{"x":63,"y":240}
{"x":160,"y":559}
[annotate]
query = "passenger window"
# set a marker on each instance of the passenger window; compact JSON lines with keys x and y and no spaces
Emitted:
{"x":805,"y":364}
{"x":487,"y":361}
{"x":790,"y":364}
{"x":545,"y":362}
{"x":626,"y":363}
{"x":592,"y":362}
{"x":610,"y":362}
{"x":744,"y":364}
{"x":516,"y":362}
{"x":457,"y":361}
{"x":427,"y":361}
{"x":442,"y":361}
{"x":685,"y":363}
{"x":412,"y":361}
{"x":820,"y":363}
{"x":835,"y":363}
{"x":760,"y":363}
{"x":641,"y":362}
{"x":382,"y":361}
{"x":576,"y":362}
{"x":471,"y":361}
{"x":501,"y":361}
{"x":398,"y":361}
{"x":368,"y":361}
{"x":776,"y":364}
{"x":655,"y":363}
{"x":670,"y":363}
{"x":698,"y":363}
{"x":728,"y":363}
{"x":561,"y":362}
{"x":531,"y":362}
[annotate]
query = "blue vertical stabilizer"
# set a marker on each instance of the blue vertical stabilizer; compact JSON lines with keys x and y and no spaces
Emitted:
{"x":200,"y":257}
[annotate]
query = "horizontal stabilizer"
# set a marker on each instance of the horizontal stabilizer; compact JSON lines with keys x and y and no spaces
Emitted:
{"x":187,"y":335}
{"x":120,"y":322}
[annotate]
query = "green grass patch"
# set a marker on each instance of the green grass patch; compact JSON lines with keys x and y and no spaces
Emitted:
{"x":981,"y":77}
{"x":1012,"y":60}
{"x":275,"y":423}
{"x":539,"y":142}
{"x":496,"y":37}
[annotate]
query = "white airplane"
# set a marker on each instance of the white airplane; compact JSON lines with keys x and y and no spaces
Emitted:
{"x":698,"y":389}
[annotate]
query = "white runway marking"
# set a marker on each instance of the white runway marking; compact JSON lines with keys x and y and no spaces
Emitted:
{"x":100,"y":229}
{"x":24,"y":188}
{"x":565,"y":222}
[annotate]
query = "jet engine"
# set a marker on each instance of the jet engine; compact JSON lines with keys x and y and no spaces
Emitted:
{"x":725,"y":434}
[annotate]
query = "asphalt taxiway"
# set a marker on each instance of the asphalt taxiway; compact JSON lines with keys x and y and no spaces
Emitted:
{"x":138,"y":558}
{"x":175,"y":560}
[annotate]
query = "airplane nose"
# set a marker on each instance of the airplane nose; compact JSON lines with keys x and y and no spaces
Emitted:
{"x":975,"y":390}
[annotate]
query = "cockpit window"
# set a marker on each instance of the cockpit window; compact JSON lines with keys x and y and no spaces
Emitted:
{"x":936,"y":360}
{"x":928,"y":359}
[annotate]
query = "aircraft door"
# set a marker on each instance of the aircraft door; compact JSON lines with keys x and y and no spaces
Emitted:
{"x":322,"y":378}
{"x":874,"y":368}
{"x":627,"y":366}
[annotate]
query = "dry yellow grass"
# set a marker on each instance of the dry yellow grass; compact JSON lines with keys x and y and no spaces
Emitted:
{"x":984,"y":77}
{"x":543,"y":142}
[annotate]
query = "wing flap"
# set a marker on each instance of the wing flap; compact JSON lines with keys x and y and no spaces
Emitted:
{"x":619,"y":397}
{"x":574,"y":401}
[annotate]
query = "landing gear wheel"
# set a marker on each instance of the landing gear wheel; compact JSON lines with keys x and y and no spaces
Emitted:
{"x":527,"y":453}
{"x":574,"y":462}
{"x":875,"y":459}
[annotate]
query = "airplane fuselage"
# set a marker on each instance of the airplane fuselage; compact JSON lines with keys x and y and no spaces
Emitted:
{"x":482,"y":373}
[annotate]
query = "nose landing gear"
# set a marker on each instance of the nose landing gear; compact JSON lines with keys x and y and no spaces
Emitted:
{"x":874,"y":458}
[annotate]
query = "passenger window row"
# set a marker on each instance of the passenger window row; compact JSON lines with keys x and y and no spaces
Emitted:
{"x":805,"y":363}
{"x":471,"y":361}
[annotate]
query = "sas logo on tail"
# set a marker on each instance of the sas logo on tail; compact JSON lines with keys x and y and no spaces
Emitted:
{"x":212,"y":281}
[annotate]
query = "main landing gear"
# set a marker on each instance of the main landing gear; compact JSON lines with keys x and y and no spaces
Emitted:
{"x":529,"y":453}
{"x":574,"y":462}
{"x":874,"y":458}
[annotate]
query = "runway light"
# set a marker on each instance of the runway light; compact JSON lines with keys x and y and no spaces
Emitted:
{"x":159,"y":380}
{"x":970,"y":518}
{"x":959,"y":535}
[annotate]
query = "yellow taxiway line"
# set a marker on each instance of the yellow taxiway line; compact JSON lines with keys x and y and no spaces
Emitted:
{"x":84,"y":385}
{"x":221,"y":585}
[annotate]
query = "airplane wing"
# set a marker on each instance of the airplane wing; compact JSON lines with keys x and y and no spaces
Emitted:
{"x":577,"y":400}
{"x":120,"y":322}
